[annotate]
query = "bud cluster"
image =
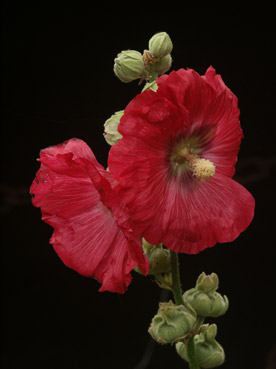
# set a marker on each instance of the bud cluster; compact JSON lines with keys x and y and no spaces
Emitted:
{"x":130,"y":65}
{"x":181,"y":323}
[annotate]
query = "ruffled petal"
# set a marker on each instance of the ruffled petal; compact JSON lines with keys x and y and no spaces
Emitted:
{"x":209,"y":103}
{"x":86,"y":235}
{"x":225,"y":145}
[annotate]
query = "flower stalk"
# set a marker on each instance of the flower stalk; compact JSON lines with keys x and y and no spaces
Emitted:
{"x":192,"y":359}
{"x":176,"y":285}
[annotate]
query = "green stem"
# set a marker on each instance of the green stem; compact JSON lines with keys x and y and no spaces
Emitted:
{"x":153,"y":75}
{"x":192,"y":354}
{"x":198,"y":324}
{"x":176,"y":286}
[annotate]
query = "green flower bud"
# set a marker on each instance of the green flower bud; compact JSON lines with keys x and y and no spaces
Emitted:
{"x":209,"y":352}
{"x":163,"y":65}
{"x":160,"y":45}
{"x":111,"y":134}
{"x":207,"y":283}
{"x":199,"y":301}
{"x":172,"y":323}
{"x":129,"y":65}
{"x":204,"y":298}
{"x":159,"y":258}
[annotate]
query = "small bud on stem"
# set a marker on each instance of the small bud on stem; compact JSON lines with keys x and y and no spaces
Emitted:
{"x":204,"y":298}
{"x":129,"y":65}
{"x":208,"y":352}
{"x":172,"y":323}
{"x":160,"y":45}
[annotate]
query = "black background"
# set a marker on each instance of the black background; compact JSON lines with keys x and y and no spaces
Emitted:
{"x":58,"y":83}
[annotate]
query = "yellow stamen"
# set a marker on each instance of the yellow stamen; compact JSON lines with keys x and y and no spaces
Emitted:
{"x":203,"y":169}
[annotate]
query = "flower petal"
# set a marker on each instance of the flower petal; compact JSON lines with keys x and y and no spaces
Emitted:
{"x":216,"y":210}
{"x":86,"y":235}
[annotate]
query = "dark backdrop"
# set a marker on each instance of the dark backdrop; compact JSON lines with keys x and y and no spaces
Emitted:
{"x":58,"y":83}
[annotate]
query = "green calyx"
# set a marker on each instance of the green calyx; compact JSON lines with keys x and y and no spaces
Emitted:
{"x":111,"y":134}
{"x":204,"y":298}
{"x":172,"y":323}
{"x":209,"y":353}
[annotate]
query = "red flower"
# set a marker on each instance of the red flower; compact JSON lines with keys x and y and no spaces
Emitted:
{"x":92,"y":229}
{"x":176,"y":159}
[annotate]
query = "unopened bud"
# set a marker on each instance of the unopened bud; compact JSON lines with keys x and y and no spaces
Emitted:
{"x":163,"y":65}
{"x":111,"y":134}
{"x":129,"y":65}
{"x":172,"y":323}
{"x":209,"y":353}
{"x":158,"y":256}
{"x":207,"y":283}
{"x":160,"y":45}
{"x":204,"y":298}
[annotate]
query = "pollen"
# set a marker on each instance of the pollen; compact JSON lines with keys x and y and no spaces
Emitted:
{"x":203,"y":169}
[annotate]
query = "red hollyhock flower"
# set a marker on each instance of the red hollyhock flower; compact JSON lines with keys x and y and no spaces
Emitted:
{"x":176,"y":160}
{"x":92,"y":230}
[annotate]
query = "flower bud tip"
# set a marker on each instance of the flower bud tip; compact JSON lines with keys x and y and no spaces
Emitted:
{"x":160,"y":45}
